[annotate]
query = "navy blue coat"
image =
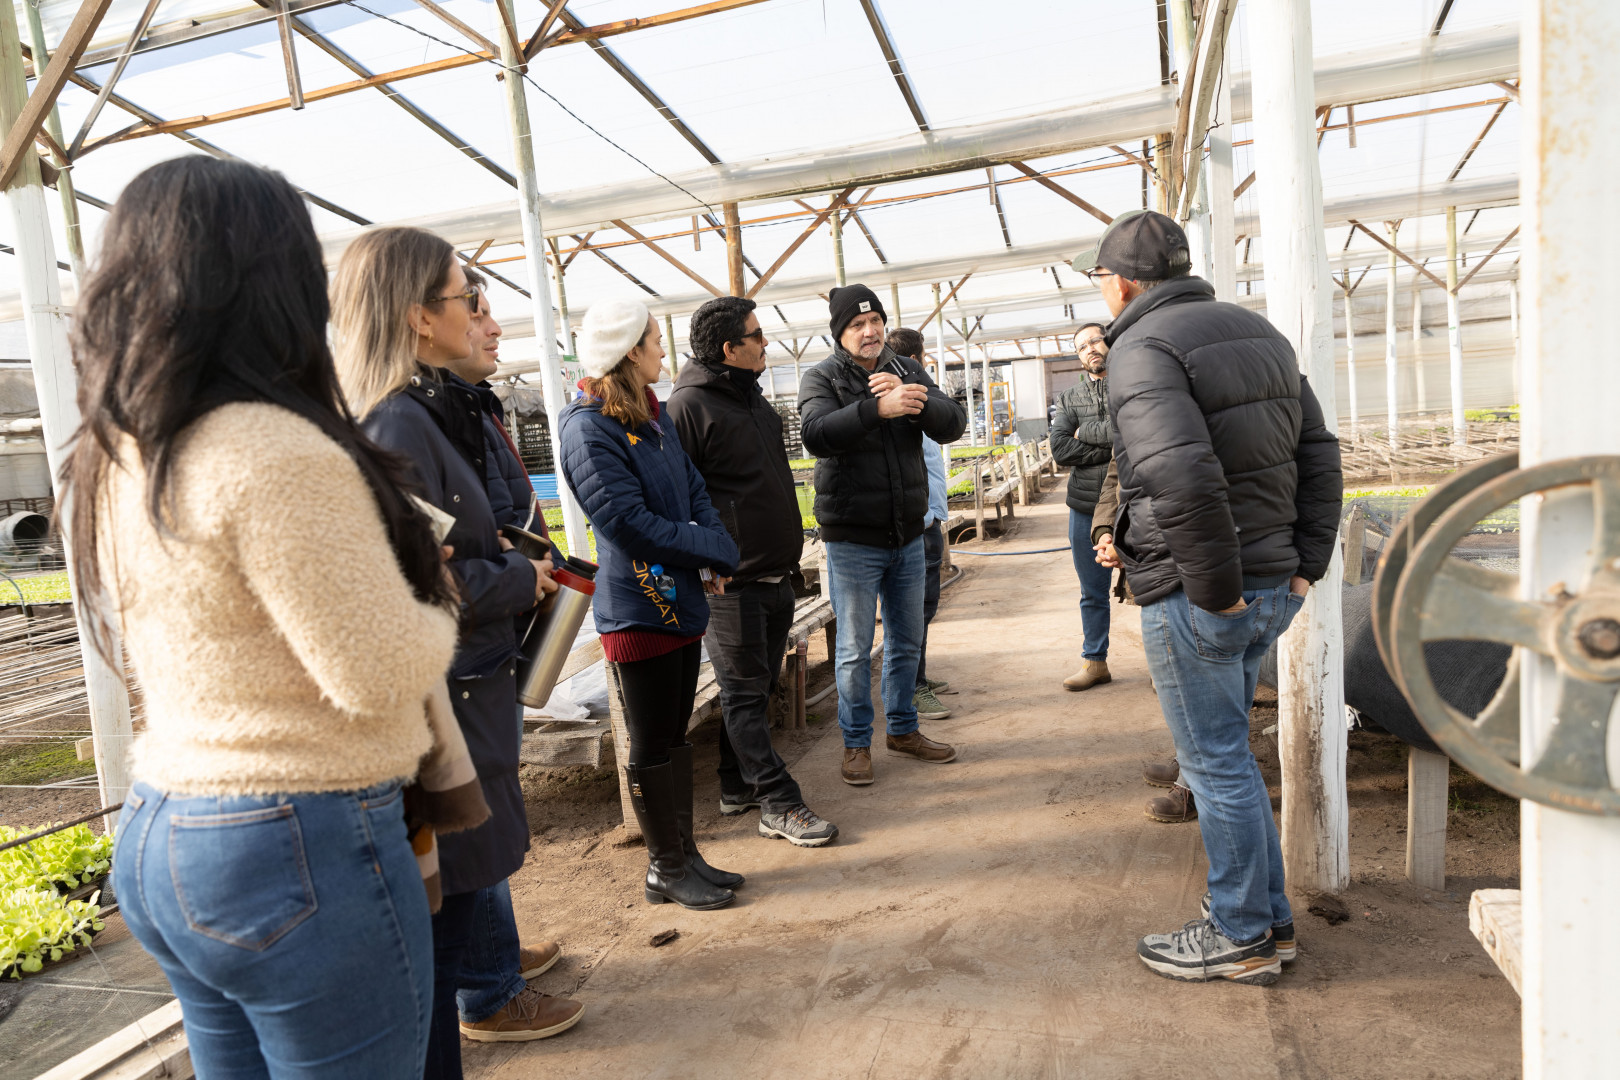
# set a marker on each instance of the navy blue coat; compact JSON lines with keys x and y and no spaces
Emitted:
{"x":648,"y":505}
{"x":439,"y":427}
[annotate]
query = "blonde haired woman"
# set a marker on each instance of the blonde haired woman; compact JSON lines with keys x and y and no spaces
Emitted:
{"x":655,"y":530}
{"x":402,"y":311}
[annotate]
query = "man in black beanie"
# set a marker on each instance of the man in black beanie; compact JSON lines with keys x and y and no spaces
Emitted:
{"x":863,"y":412}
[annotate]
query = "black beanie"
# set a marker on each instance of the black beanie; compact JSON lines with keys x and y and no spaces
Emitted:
{"x":848,"y":301}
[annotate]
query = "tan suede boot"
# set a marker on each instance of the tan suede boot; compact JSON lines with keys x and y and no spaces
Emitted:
{"x":1091,"y":673}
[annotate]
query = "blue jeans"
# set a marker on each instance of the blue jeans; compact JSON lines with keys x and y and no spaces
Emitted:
{"x":858,"y":576}
{"x":491,"y":969}
{"x":293,"y":929}
{"x":1095,"y":582}
{"x":1205,"y":667}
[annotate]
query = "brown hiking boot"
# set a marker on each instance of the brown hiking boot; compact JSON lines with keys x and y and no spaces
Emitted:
{"x":537,"y":959}
{"x":1091,"y":673}
{"x":1175,"y":807}
{"x":1161,"y":775}
{"x":857,"y":768}
{"x":530,"y":1015}
{"x":919,"y":746}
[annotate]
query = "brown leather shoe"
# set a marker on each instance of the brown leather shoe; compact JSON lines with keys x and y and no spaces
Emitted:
{"x":857,"y":768}
{"x":919,"y":746}
{"x":530,"y":1015}
{"x":1091,"y":673}
{"x":1161,"y":775}
{"x":538,"y":958}
{"x":1174,"y":808}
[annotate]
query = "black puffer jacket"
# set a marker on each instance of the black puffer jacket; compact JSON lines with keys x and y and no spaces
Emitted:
{"x":871,"y":485}
{"x":1229,"y":478}
{"x":734,"y":438}
{"x":1083,"y":439}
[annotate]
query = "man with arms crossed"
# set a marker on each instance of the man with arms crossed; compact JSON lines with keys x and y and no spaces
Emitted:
{"x":1230,"y":488}
{"x":1083,"y":439}
{"x":734,"y":438}
{"x":863,"y":412}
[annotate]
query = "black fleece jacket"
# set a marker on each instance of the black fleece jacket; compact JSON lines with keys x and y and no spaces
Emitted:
{"x":1229,"y":478}
{"x":871,"y":484}
{"x":734,"y":438}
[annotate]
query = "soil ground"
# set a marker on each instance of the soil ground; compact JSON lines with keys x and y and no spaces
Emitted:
{"x":979,"y":919}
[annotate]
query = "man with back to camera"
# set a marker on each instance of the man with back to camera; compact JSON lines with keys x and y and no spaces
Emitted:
{"x":863,"y":412}
{"x":1083,"y":439}
{"x":734,"y":438}
{"x":1230,"y":489}
{"x":909,"y":343}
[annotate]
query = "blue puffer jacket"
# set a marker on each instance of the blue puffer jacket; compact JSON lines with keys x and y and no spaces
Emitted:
{"x":648,"y":505}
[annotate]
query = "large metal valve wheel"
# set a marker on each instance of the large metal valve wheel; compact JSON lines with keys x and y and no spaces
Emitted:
{"x":1424,"y":595}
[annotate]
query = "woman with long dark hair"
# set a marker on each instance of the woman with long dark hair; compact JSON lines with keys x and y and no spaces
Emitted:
{"x":285,"y":606}
{"x":656,"y":533}
{"x":402,"y":313}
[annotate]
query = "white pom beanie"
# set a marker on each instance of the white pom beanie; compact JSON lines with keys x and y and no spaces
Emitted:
{"x":611,"y":329}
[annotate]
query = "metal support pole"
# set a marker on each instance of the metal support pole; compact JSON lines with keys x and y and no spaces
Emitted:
{"x":836,"y":221}
{"x":561,"y":275}
{"x":669,"y":346}
{"x":967,"y":382}
{"x":1569,"y":863}
{"x":55,"y":386}
{"x":1459,"y":420}
{"x":1417,"y":345}
{"x":64,"y":178}
{"x":1312,"y":736}
{"x":1350,"y":360}
{"x":734,"y":251}
{"x":894,"y":302}
{"x":1392,"y":376}
{"x":534,"y":247}
{"x":990,"y":438}
{"x":1223,"y":227}
{"x":1513,"y":328}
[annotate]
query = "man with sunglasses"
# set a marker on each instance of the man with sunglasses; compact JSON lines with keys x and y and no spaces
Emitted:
{"x":734,"y":438}
{"x":1230,"y":487}
{"x":1083,"y":439}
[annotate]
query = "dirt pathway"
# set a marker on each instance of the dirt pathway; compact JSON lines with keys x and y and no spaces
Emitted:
{"x":979,"y":919}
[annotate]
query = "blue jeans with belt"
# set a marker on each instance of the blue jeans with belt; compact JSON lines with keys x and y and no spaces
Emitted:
{"x":1205,"y":666}
{"x":858,"y":576}
{"x":1095,"y":582}
{"x":293,"y":928}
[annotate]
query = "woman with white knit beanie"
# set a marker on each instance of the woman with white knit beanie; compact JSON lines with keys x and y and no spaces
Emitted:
{"x":656,"y":533}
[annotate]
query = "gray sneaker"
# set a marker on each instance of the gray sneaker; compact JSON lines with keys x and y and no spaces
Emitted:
{"x":1287,"y":944}
{"x":1198,"y":953}
{"x":800,"y":826}
{"x":732,"y":805}
{"x":938,"y":686}
{"x":929,"y":706}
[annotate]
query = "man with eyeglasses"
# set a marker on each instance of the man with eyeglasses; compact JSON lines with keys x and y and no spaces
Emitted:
{"x":1083,"y":439}
{"x":734,"y":438}
{"x":1230,"y":487}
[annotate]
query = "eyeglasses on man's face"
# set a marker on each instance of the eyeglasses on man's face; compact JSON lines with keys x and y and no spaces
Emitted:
{"x":1097,"y":273}
{"x":1090,"y":343}
{"x":470,"y":296}
{"x":758,"y":334}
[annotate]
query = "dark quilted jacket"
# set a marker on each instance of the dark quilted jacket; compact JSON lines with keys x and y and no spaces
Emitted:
{"x":1229,"y":478}
{"x":1083,"y":439}
{"x":647,"y":505}
{"x":871,"y":484}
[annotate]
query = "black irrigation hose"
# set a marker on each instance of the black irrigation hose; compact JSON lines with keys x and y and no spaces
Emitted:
{"x":1035,"y":551}
{"x":58,"y":828}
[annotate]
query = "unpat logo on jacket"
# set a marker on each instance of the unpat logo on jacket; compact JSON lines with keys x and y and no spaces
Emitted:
{"x":666,"y":610}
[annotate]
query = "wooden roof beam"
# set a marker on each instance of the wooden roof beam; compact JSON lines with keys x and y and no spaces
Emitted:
{"x":1053,"y":186}
{"x":625,"y":226}
{"x":20,"y":139}
{"x":117,"y":72}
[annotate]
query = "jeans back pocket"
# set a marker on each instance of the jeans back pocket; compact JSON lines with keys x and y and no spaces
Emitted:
{"x":241,"y":878}
{"x":1221,"y":637}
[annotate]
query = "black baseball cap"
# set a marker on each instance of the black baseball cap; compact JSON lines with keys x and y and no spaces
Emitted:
{"x":1142,"y":245}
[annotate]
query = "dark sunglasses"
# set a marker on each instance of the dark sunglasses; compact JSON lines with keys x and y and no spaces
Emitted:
{"x":470,"y":296}
{"x":757,"y":334}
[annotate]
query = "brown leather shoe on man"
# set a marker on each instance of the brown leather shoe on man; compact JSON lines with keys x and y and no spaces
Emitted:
{"x":1174,"y":808}
{"x":538,"y":959}
{"x":1161,"y":775}
{"x":1091,"y":673}
{"x":919,"y":746}
{"x":857,"y":768}
{"x":530,"y":1015}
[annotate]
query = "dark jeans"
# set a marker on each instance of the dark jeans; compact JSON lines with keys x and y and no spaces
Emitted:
{"x":1205,"y":666}
{"x":658,"y":696}
{"x":748,"y":630}
{"x":452,"y":931}
{"x":933,"y":556}
{"x":491,"y":969}
{"x":1095,"y":582}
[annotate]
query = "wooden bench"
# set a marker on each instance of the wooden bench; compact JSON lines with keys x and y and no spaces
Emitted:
{"x":999,"y":478}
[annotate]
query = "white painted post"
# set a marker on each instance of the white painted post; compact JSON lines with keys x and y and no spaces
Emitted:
{"x":1459,"y":420}
{"x":1223,"y":226}
{"x":1312,"y":735}
{"x":967,"y":380}
{"x":669,"y":346}
{"x":55,"y":385}
{"x":1198,"y":220}
{"x":1513,"y":328}
{"x":1417,"y":345}
{"x":1350,"y":358}
{"x":894,"y":302}
{"x":989,"y":401}
{"x":836,"y":219}
{"x":1569,"y":863}
{"x":534,"y":247}
{"x":939,"y":374}
{"x":1392,"y":375}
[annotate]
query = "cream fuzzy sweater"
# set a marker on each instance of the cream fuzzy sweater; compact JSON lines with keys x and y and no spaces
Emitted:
{"x":280,"y":647}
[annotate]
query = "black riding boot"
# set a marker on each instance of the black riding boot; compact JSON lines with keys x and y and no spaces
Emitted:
{"x":681,"y":758}
{"x":652,"y":793}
